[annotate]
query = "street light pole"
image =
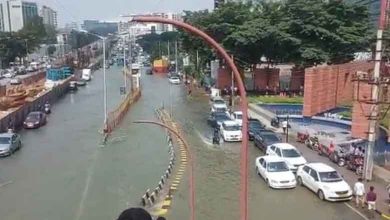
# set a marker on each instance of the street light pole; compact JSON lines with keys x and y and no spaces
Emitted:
{"x":124,"y":65}
{"x":104,"y":82}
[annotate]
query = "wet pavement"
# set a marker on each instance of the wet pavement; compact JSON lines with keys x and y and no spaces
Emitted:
{"x":64,"y":173}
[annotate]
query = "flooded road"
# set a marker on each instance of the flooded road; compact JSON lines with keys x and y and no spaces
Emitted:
{"x":63,"y":172}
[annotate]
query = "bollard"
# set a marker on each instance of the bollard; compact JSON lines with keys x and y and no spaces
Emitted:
{"x":152,"y":198}
{"x":166,"y":175}
{"x":169,"y":170}
{"x":147,"y":193}
{"x":156,"y":190}
{"x":160,"y":185}
{"x":170,"y":166}
{"x":143,"y":200}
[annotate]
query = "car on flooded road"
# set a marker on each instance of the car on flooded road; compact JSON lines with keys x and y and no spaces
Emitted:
{"x":35,"y":120}
{"x":217,"y":118}
{"x":254,"y":126}
{"x":231,"y":131}
{"x":288,"y":153}
{"x":275,"y":172}
{"x":9,"y":143}
{"x":325,"y":181}
{"x":264,"y":139}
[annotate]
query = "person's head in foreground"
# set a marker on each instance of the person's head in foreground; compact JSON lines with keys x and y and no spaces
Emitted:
{"x":135,"y":214}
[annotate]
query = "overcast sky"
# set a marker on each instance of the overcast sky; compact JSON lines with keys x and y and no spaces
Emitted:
{"x":79,"y":10}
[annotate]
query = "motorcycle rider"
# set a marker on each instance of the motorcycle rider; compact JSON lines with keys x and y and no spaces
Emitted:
{"x":216,"y":136}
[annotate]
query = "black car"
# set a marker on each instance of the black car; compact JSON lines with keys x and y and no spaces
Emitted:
{"x":217,"y":118}
{"x":264,"y":139}
{"x":254,"y":126}
{"x":35,"y":120}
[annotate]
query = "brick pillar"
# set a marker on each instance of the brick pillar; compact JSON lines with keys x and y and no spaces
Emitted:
{"x":266,"y":77}
{"x":224,"y":78}
{"x":310,"y":90}
{"x":297,"y":79}
{"x":361,"y":110}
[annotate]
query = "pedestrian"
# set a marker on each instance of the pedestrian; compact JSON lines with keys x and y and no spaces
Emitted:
{"x":359,"y":191}
{"x":284,"y":126}
{"x":135,"y":214}
{"x":371,"y":201}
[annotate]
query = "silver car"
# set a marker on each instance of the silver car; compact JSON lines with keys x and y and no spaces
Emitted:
{"x":9,"y":143}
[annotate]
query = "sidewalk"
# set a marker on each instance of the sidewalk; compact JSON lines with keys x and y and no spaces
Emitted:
{"x":382,"y":204}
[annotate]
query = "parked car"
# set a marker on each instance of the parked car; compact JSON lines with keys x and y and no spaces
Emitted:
{"x":254,"y":126}
{"x":9,"y":143}
{"x":264,"y":139}
{"x":15,"y":81}
{"x":237,"y":117}
{"x":218,"y":105}
{"x":230,"y":131}
{"x":274,"y":170}
{"x":325,"y":181}
{"x":35,"y":120}
{"x":174,"y":80}
{"x":216,"y":118}
{"x":289,"y":153}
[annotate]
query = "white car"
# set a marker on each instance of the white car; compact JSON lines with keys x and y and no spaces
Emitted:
{"x":325,"y":181}
{"x":275,"y":172}
{"x":289,"y":153}
{"x":15,"y":81}
{"x":237,"y":117}
{"x":231,"y":131}
{"x":174,"y":80}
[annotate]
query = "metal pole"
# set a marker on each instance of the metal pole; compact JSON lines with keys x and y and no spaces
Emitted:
{"x":232,"y":94}
{"x":124,"y":65}
{"x":373,"y":120}
{"x":104,"y":83}
{"x":287,"y":118}
{"x":197,"y":60}
{"x":176,"y":62}
{"x":131,"y":63}
{"x":169,"y":54}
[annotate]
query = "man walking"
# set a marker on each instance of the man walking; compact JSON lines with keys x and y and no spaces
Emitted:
{"x":359,"y":191}
{"x":284,"y":126}
{"x":371,"y":201}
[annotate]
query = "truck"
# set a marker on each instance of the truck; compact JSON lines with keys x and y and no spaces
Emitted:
{"x":86,"y":75}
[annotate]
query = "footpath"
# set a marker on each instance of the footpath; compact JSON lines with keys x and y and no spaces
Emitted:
{"x":382,"y":204}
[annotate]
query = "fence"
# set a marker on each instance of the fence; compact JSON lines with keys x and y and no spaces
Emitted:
{"x":115,"y":117}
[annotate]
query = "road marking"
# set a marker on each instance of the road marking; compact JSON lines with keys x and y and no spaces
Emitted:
{"x":356,"y":211}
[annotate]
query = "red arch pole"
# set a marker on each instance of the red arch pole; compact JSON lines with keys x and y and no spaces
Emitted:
{"x":244,"y":102}
{"x":190,"y":159}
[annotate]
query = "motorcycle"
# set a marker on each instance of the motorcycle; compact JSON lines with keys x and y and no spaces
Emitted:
{"x":216,"y":137}
{"x":325,"y":150}
{"x":302,"y":137}
{"x":312,"y":143}
{"x":47,"y":109}
{"x":355,"y":163}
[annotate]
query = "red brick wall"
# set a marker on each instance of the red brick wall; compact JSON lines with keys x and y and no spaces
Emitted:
{"x":224,"y":78}
{"x":328,"y":86}
{"x":360,"y":111}
{"x":266,"y":77}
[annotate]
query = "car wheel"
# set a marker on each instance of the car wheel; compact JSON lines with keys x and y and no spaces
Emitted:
{"x":268,"y":183}
{"x":321,"y":195}
{"x":19,"y":145}
{"x":257,"y":171}
{"x":299,"y":180}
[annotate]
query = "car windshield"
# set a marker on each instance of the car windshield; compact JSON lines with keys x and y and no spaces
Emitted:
{"x":5,"y":140}
{"x":280,"y":166}
{"x":290,"y":153}
{"x":328,"y":177}
{"x":221,"y":117}
{"x":31,"y":117}
{"x":221,"y":109}
{"x":175,"y":78}
{"x":231,"y":127}
{"x":255,"y":124}
{"x":219,"y":101}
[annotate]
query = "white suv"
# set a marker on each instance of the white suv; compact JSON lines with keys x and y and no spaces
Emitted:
{"x":289,"y":153}
{"x":325,"y":181}
{"x":231,"y":131}
{"x":237,"y":117}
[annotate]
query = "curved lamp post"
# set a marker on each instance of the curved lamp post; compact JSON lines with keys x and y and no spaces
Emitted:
{"x":244,"y":102}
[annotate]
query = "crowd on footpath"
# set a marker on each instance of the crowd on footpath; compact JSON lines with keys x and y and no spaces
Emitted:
{"x":137,"y":214}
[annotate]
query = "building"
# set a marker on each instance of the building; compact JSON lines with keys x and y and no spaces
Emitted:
{"x":16,"y":13}
{"x":93,"y":25}
{"x":71,"y":26}
{"x":49,"y":16}
{"x":157,"y":28}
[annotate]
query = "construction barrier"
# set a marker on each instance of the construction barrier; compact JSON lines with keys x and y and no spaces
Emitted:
{"x":115,"y":117}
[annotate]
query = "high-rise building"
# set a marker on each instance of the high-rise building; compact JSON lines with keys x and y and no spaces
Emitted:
{"x":16,"y":13}
{"x":49,"y":16}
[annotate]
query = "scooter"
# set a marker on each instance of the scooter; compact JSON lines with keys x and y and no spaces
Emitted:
{"x":47,"y":109}
{"x":302,"y":137}
{"x":355,"y":163}
{"x":312,"y":143}
{"x":324,"y":150}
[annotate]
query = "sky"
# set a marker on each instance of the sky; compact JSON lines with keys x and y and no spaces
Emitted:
{"x":79,"y":10}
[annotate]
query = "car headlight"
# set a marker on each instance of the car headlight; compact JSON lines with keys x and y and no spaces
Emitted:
{"x":37,"y":122}
{"x":274,"y":181}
